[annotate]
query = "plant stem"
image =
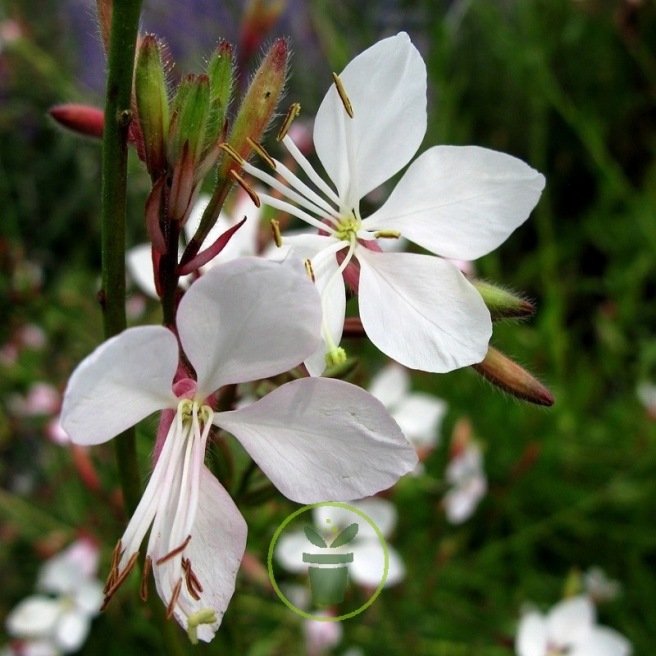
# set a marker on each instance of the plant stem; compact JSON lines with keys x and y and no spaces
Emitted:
{"x":125,"y":24}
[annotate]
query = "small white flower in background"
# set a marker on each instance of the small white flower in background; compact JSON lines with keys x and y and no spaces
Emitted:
{"x":58,"y":621}
{"x":599,"y":587}
{"x":367,"y":568}
{"x":314,"y":438}
{"x":321,"y":636}
{"x":242,"y":243}
{"x":647,"y":396}
{"x":568,"y":629}
{"x":465,"y":475}
{"x":418,"y":414}
{"x":455,"y":202}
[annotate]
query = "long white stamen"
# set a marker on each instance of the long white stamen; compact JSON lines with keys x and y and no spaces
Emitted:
{"x":283,"y":189}
{"x":304,"y":163}
{"x":283,"y":206}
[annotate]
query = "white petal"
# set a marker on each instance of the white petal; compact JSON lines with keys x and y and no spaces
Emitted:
{"x":381,"y":511}
{"x":421,"y":311}
{"x":248,"y":319}
{"x":67,"y":570}
{"x":460,"y":202}
{"x":305,"y":245}
{"x":289,"y":551}
{"x":570,"y":620}
{"x":123,"y":381}
{"x":139,"y":261}
{"x":368,"y":566}
{"x":419,"y":416}
{"x":531,"y":637}
{"x":215,"y":552}
{"x":603,"y":641}
{"x":34,"y":617}
{"x":36,"y":648}
{"x":89,"y":596}
{"x":390,"y":385}
{"x":320,"y":439}
{"x":72,"y":630}
{"x":460,"y":502}
{"x":386,"y":85}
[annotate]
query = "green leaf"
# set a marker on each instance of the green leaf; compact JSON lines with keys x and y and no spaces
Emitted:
{"x":314,"y":537}
{"x":345,"y":536}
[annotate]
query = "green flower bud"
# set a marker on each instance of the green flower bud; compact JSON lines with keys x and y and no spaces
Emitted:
{"x":220,"y":71}
{"x":501,"y":302}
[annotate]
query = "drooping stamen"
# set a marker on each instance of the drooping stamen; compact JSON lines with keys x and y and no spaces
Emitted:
{"x":309,"y":270}
{"x":143,"y":586}
{"x":174,"y":552}
{"x":118,"y":580}
{"x":342,"y":94}
{"x":304,"y":163}
{"x":193,"y":584}
{"x":275,"y":229}
{"x":259,"y":149}
{"x":293,"y":111}
{"x":244,"y":185}
{"x":229,"y":150}
{"x":174,"y":599}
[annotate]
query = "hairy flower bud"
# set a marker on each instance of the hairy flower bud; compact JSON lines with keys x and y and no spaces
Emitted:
{"x":502,"y":303}
{"x":506,"y":374}
{"x":220,"y":71}
{"x":83,"y":119}
{"x":152,"y":103}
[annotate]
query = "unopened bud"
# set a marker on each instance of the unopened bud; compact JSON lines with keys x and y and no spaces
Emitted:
{"x":190,"y":114}
{"x":152,"y":103}
{"x":260,"y":102}
{"x":82,"y":119}
{"x":502,"y":303}
{"x":220,"y":71}
{"x":506,"y":374}
{"x":259,"y":17}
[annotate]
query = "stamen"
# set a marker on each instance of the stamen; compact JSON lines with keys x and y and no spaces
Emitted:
{"x":116,"y":584}
{"x":387,"y":234}
{"x":293,"y":111}
{"x":175,"y":552}
{"x":242,"y":183}
{"x":275,"y":229}
{"x":309,"y":270}
{"x":343,"y":96}
{"x":193,"y":584}
{"x":174,"y":599}
{"x":259,"y":149}
{"x":113,"y":568}
{"x":143,"y":587}
{"x":226,"y":147}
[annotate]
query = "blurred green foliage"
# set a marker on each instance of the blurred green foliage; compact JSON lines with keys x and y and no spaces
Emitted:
{"x":568,"y":86}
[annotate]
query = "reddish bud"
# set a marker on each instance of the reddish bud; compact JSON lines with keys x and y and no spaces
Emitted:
{"x":82,"y":119}
{"x":259,"y":18}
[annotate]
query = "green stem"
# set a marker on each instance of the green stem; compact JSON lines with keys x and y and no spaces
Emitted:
{"x":125,"y":24}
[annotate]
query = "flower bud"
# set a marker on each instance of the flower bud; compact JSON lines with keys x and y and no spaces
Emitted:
{"x":502,"y":303}
{"x":220,"y":71}
{"x":189,"y":117}
{"x":506,"y":374}
{"x":83,"y":119}
{"x":152,"y":103}
{"x":259,"y":17}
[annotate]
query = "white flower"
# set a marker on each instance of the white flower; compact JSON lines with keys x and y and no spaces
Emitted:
{"x":468,"y":482}
{"x":314,"y":438}
{"x":367,"y":568}
{"x":418,"y":414}
{"x":569,"y":629}
{"x":242,"y":243}
{"x":456,"y":202}
{"x":321,"y":636}
{"x":59,"y":623}
{"x":599,"y":587}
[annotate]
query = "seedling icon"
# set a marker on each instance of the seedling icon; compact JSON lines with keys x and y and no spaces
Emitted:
{"x":329,"y":571}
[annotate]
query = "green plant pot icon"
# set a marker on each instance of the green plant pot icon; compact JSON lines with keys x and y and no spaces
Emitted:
{"x":328,"y":577}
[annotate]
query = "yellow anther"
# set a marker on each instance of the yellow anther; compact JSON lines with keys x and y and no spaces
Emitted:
{"x":342,"y":94}
{"x":293,"y":111}
{"x":275,"y":229}
{"x":227,"y":148}
{"x":387,"y":234}
{"x":244,"y":185}
{"x":309,"y":270}
{"x":259,"y":149}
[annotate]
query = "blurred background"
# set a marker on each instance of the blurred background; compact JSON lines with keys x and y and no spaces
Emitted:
{"x":568,"y":86}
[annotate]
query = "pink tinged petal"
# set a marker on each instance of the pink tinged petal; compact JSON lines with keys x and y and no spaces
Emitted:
{"x":72,"y":630}
{"x":368,"y":566}
{"x":386,"y":85}
{"x":34,"y":617}
{"x":570,"y":621}
{"x":460,"y":202}
{"x":123,"y":381}
{"x":531,"y":637}
{"x":419,"y":416}
{"x":603,"y":641}
{"x":215,"y":551}
{"x":421,"y":311}
{"x":247,"y":319}
{"x":36,"y":648}
{"x":319,"y":439}
{"x":390,"y":385}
